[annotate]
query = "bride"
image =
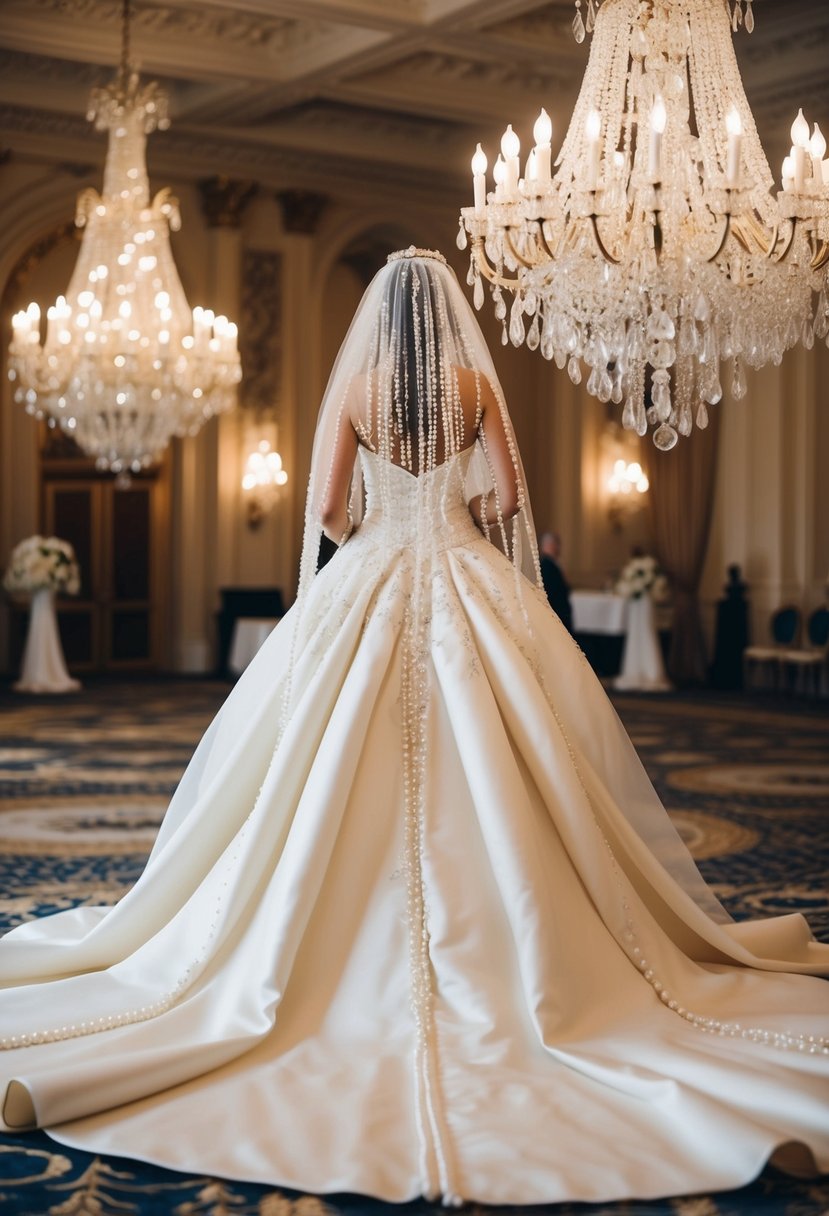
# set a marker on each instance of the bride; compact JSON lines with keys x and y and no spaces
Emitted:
{"x":415,"y":921}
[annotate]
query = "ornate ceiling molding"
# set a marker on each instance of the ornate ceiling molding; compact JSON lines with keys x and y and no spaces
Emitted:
{"x":332,"y":119}
{"x":53,"y":71}
{"x":190,"y":156}
{"x":283,"y":35}
{"x":354,"y":95}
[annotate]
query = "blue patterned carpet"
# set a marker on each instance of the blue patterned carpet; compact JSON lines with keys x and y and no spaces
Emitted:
{"x":85,"y":779}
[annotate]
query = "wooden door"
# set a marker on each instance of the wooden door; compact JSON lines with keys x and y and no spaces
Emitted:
{"x":72,"y":511}
{"x":120,"y":538}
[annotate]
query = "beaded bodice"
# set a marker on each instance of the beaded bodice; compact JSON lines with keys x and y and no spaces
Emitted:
{"x":403,"y":507}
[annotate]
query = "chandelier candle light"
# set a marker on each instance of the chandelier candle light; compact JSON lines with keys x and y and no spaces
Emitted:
{"x":627,"y":478}
{"x":125,"y":364}
{"x":263,"y":478}
{"x":659,"y":250}
{"x":627,"y":486}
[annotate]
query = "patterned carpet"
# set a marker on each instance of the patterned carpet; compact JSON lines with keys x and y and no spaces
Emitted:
{"x":85,"y":779}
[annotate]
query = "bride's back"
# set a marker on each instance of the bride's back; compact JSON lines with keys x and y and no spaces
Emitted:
{"x":419,"y":434}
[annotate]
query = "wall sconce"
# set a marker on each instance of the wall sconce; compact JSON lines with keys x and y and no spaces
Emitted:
{"x":262,"y":482}
{"x":626,"y":487}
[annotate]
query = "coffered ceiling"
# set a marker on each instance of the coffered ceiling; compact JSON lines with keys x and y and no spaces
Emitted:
{"x":347,"y":95}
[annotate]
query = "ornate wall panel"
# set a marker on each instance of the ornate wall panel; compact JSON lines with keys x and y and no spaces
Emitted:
{"x":260,"y":332}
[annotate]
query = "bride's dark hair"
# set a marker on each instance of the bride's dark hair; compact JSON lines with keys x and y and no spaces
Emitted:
{"x":418,"y":375}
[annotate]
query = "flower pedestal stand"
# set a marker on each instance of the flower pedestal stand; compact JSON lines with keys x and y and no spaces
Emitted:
{"x":44,"y":668}
{"x":642,"y":667}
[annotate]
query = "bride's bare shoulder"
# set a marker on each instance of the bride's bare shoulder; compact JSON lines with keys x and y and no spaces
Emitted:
{"x":471,"y":383}
{"x":358,"y":396}
{"x":358,"y":386}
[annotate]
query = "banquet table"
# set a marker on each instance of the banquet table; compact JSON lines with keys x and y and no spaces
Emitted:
{"x":599,"y":612}
{"x":620,"y":637}
{"x":599,"y":624}
{"x":249,"y":632}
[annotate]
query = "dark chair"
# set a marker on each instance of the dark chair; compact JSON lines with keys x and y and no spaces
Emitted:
{"x":811,"y":660}
{"x":784,"y":627}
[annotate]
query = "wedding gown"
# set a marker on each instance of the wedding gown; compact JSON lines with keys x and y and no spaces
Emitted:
{"x":564,"y":1023}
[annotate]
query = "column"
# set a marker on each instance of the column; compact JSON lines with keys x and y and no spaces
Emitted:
{"x":206,"y":469}
{"x":301,"y":212}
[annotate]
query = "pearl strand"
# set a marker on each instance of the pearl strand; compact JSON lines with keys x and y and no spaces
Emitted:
{"x":783,"y":1040}
{"x":152,"y":1009}
{"x":415,"y":691}
{"x":499,"y":518}
{"x":479,"y":435}
{"x":414,"y":891}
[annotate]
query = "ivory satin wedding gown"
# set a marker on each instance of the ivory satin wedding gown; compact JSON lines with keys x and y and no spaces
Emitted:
{"x":504,"y":997}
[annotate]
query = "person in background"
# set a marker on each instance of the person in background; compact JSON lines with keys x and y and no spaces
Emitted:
{"x":552,"y":576}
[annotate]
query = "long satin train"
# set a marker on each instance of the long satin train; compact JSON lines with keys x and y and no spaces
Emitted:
{"x":592,"y":1033}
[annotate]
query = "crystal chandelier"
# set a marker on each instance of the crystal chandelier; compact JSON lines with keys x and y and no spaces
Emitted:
{"x":125,"y":364}
{"x":657,"y":251}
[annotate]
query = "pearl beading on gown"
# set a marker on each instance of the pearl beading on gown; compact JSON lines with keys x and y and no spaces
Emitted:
{"x":423,"y":497}
{"x":631,"y":943}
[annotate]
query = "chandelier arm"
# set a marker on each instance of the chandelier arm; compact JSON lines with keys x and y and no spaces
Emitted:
{"x":545,"y":243}
{"x":565,"y":240}
{"x":821,"y":256}
{"x":167,"y":204}
{"x":752,"y":236}
{"x":726,"y":229}
{"x":486,"y":270}
{"x":519,"y":258}
{"x":786,"y":250}
{"x":539,"y":251}
{"x":765,"y":243}
{"x":597,"y":237}
{"x":755,"y":236}
{"x":570,"y":239}
{"x":742,"y":238}
{"x":87,"y":200}
{"x":768,"y":248}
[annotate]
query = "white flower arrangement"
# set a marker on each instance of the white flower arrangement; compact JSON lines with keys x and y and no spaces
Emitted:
{"x":43,"y":563}
{"x":642,"y":575}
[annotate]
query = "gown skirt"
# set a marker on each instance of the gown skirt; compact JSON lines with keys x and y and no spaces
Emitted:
{"x":413,"y":926}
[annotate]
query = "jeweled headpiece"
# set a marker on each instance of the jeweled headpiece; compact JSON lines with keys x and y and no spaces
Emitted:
{"x":414,"y":252}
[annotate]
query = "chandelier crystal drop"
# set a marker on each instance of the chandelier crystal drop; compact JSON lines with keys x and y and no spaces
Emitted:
{"x":657,"y":254}
{"x":125,"y":363}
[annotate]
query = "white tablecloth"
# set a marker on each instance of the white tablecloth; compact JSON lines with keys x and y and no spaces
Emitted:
{"x":642,"y":667}
{"x":44,"y":669}
{"x":249,"y":632}
{"x":604,"y":612}
{"x":598,"y":612}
